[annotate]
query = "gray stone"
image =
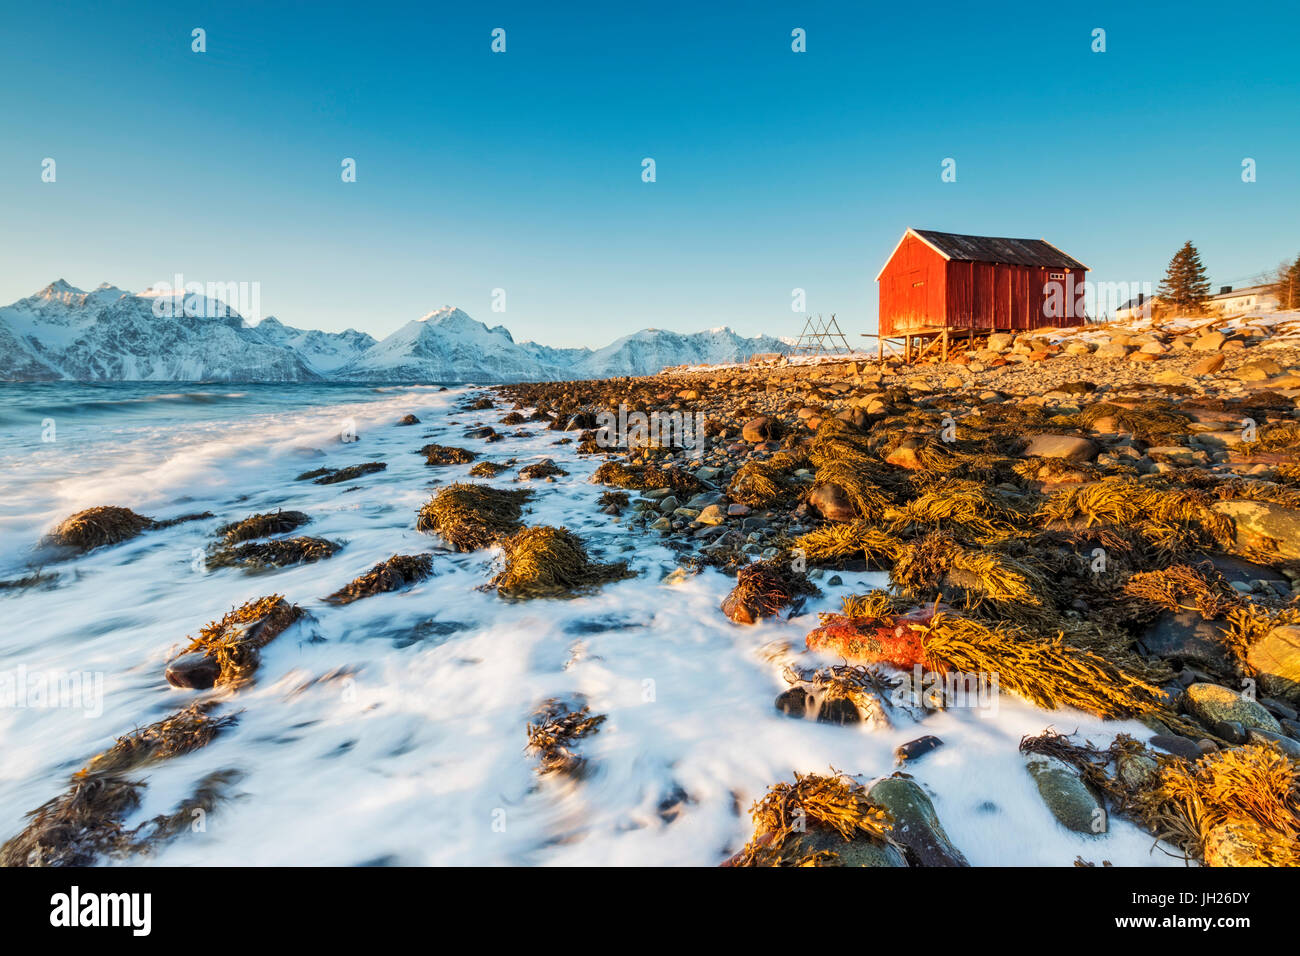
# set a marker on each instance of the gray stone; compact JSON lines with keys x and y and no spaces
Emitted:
{"x":1212,"y":703}
{"x":1288,"y":745}
{"x":916,"y":825}
{"x":1071,"y":801}
{"x":1176,"y":745}
{"x":1185,"y":637}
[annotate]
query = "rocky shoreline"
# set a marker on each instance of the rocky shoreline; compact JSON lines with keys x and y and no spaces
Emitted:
{"x":1058,"y":519}
{"x":1108,"y":519}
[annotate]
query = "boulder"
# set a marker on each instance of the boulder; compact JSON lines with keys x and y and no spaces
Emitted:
{"x":1071,"y":801}
{"x":1178,"y":746}
{"x":712,"y":515}
{"x":1209,"y":342}
{"x":1136,"y":770}
{"x":1212,"y":703}
{"x":838,"y":710}
{"x":1185,"y":637}
{"x":831,"y":502}
{"x":1258,"y":370}
{"x":761,"y":429}
{"x":194,"y":671}
{"x":916,"y":825}
{"x":1276,"y":659}
{"x":856,"y":852}
{"x":1264,"y":738}
{"x":1208,"y":365}
{"x":1112,"y":350}
{"x":1264,"y":525}
{"x":1072,"y":447}
{"x":1237,"y":844}
{"x":905,"y":455}
{"x":916,"y":749}
{"x":795,"y":702}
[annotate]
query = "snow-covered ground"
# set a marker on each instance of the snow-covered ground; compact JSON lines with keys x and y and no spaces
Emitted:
{"x":392,"y":730}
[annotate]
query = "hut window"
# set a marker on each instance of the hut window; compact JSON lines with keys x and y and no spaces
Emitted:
{"x":1056,"y":275}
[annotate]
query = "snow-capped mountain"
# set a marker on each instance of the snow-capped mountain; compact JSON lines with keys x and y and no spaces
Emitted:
{"x":325,"y":352}
{"x":648,"y":351}
{"x":109,"y":335}
{"x":63,"y":333}
{"x":447,"y":346}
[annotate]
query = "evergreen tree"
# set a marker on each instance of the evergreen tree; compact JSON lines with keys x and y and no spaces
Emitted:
{"x":1186,"y":284}
{"x":1287,"y":286}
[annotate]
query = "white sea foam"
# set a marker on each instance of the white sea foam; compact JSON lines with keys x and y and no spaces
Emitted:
{"x":393,"y":729}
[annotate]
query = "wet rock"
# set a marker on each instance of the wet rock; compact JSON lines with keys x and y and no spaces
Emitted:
{"x":1185,"y":637}
{"x":1071,"y":447}
{"x":856,"y":852}
{"x":1276,"y":658}
{"x":1230,"y":730}
{"x":1136,"y":770}
{"x":916,"y":825}
{"x":838,"y":710}
{"x":1239,"y":571}
{"x":195,"y":671}
{"x":1264,"y":525}
{"x":1212,"y":703}
{"x":1066,"y":795}
{"x":1288,"y":746}
{"x":1176,"y":745}
{"x":832,"y":502}
{"x":918,"y":748}
{"x":795,"y":702}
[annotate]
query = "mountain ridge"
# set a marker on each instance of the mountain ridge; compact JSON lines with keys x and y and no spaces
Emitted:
{"x":63,"y":333}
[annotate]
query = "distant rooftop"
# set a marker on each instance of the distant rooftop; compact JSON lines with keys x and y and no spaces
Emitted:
{"x":1248,"y":290}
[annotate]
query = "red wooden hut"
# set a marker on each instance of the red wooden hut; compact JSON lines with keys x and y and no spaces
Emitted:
{"x":935,"y":284}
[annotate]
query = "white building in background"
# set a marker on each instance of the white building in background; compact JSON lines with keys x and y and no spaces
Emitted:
{"x":1138,"y":307}
{"x":1230,"y":301}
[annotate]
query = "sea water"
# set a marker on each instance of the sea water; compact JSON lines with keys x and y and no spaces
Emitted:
{"x":392,"y":730}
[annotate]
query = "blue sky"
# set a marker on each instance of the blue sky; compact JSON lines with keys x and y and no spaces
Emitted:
{"x":522,"y":170}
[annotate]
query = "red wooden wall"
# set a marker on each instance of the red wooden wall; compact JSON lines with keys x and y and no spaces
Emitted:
{"x":913,"y":288}
{"x":921,"y":291}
